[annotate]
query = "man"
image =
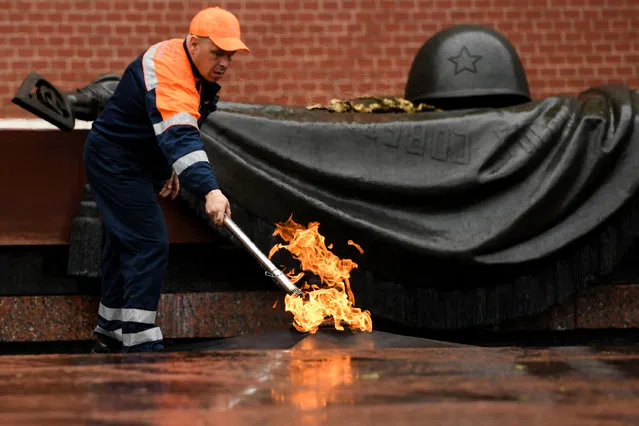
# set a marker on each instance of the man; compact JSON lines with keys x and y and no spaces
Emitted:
{"x":147,"y":141}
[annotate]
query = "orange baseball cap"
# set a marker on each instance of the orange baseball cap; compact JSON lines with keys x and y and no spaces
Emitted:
{"x":219,"y":25}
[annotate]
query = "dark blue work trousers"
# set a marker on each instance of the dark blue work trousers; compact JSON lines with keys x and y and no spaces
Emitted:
{"x":136,"y":244}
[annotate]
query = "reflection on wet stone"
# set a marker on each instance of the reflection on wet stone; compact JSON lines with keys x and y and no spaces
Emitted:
{"x":311,"y":381}
{"x":547,"y":369}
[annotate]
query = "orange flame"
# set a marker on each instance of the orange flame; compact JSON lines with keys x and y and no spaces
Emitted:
{"x":335,"y":298}
{"x":357,"y":246}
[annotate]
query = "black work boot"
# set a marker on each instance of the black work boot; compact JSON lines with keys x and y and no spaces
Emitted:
{"x":105,"y":345}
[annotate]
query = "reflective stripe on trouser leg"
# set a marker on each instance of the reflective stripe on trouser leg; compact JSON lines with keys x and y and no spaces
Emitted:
{"x":150,"y":335}
{"x":139,"y":327}
{"x":143,"y":272}
{"x":109,"y":314}
{"x":114,"y":334}
{"x":129,"y":207}
{"x":109,"y":321}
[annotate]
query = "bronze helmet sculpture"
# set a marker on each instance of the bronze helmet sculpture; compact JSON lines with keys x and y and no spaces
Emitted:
{"x":467,"y":66}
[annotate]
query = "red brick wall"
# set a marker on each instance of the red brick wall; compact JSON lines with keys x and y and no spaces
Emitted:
{"x":308,"y":51}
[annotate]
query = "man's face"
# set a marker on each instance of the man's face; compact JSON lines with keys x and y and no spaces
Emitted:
{"x":211,"y":61}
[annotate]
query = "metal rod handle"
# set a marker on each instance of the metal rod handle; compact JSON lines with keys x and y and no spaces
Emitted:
{"x":280,"y":278}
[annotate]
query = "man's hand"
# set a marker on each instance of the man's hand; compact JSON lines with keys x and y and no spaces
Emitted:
{"x":216,"y":206}
{"x":171,"y":187}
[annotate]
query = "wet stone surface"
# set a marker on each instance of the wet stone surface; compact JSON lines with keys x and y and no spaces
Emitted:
{"x":329,"y":378}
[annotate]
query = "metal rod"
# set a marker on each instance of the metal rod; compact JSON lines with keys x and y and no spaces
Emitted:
{"x":280,"y":278}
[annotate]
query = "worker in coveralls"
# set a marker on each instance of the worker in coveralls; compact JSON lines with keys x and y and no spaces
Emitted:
{"x":147,"y":143}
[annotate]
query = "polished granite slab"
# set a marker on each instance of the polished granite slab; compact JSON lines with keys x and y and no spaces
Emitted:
{"x":327,"y":338}
{"x":233,"y":313}
{"x":329,"y":378}
{"x":180,"y":315}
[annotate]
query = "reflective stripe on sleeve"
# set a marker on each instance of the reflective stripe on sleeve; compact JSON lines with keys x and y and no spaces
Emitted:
{"x":148,"y":66}
{"x":188,"y":160}
{"x":179,"y":118}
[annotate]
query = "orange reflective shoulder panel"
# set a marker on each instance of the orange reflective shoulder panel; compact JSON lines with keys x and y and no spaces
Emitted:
{"x":168,"y":71}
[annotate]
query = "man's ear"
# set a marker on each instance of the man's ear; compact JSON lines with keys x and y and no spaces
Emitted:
{"x":192,"y":42}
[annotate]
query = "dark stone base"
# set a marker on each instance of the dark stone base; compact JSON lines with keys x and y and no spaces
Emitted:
{"x":613,"y":306}
{"x":220,"y":291}
{"x":196,"y":267}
